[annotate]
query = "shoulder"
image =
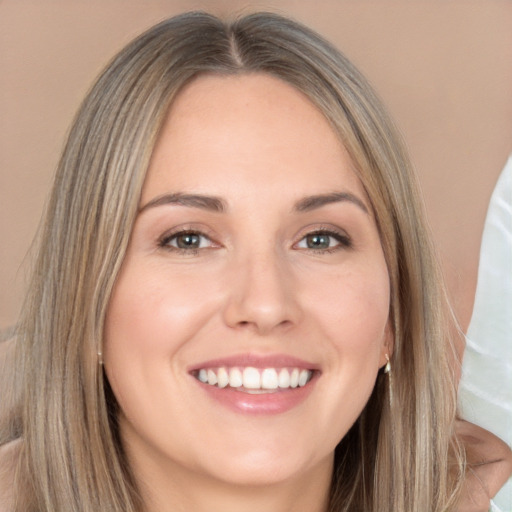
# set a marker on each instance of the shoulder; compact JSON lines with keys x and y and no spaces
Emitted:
{"x":9,"y":455}
{"x":489,"y":463}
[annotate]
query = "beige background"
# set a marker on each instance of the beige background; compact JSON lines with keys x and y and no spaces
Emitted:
{"x":444,"y":68}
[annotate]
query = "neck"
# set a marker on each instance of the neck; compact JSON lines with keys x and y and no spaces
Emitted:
{"x":183,"y":491}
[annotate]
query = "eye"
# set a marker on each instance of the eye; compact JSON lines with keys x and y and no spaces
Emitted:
{"x":324,"y":241}
{"x":187,"y":241}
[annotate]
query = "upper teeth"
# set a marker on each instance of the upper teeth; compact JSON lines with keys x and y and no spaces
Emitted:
{"x":255,"y":378}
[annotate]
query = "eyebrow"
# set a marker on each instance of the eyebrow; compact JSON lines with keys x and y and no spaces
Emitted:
{"x":216,"y":204}
{"x":203,"y":202}
{"x":313,"y":202}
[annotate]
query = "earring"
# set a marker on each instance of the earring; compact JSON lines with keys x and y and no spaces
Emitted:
{"x":100,"y":358}
{"x":387,"y":368}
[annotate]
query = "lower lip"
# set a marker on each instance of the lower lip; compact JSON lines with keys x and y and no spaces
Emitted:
{"x":274,"y":402}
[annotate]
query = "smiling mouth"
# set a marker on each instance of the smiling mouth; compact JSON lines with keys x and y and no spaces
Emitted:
{"x":254,"y":380}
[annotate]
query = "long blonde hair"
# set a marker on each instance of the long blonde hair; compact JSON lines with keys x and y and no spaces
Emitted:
{"x":398,"y":456}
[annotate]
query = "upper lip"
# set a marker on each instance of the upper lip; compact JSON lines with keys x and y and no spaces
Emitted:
{"x":257,"y":361}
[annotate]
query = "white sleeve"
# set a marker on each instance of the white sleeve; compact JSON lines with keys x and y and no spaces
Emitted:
{"x":485,"y":392}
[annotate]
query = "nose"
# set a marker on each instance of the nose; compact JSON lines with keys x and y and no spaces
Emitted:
{"x":263,"y":295}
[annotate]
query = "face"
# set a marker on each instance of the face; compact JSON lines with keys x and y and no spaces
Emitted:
{"x":250,"y":317}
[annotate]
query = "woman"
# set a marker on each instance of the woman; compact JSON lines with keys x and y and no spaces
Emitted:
{"x":235,"y":303}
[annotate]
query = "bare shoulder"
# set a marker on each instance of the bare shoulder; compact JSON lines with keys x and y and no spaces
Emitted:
{"x":489,"y":465}
{"x":9,"y":454}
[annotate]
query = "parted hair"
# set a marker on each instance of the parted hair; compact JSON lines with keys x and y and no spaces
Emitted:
{"x":399,"y":456}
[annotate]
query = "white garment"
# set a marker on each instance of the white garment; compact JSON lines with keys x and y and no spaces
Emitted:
{"x":485,"y":392}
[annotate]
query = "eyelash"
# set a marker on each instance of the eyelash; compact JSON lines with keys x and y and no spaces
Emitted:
{"x":342,"y":239}
{"x":165,"y":241}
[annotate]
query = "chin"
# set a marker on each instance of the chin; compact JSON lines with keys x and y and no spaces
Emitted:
{"x":258,"y":474}
{"x":266,"y":467}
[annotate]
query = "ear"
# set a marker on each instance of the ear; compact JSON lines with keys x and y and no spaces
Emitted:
{"x":388,"y":345}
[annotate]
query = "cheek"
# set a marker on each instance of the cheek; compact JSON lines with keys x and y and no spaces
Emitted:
{"x":354,"y":324}
{"x":150,"y":318}
{"x":353,"y":314}
{"x":353,"y":308}
{"x":151,"y":312}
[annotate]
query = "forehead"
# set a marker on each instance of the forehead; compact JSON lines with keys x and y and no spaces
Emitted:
{"x":252,"y":127}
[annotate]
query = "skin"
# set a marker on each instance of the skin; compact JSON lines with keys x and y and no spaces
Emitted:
{"x":260,"y":310}
{"x":256,"y":285}
{"x":490,"y":462}
{"x":489,"y":466}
